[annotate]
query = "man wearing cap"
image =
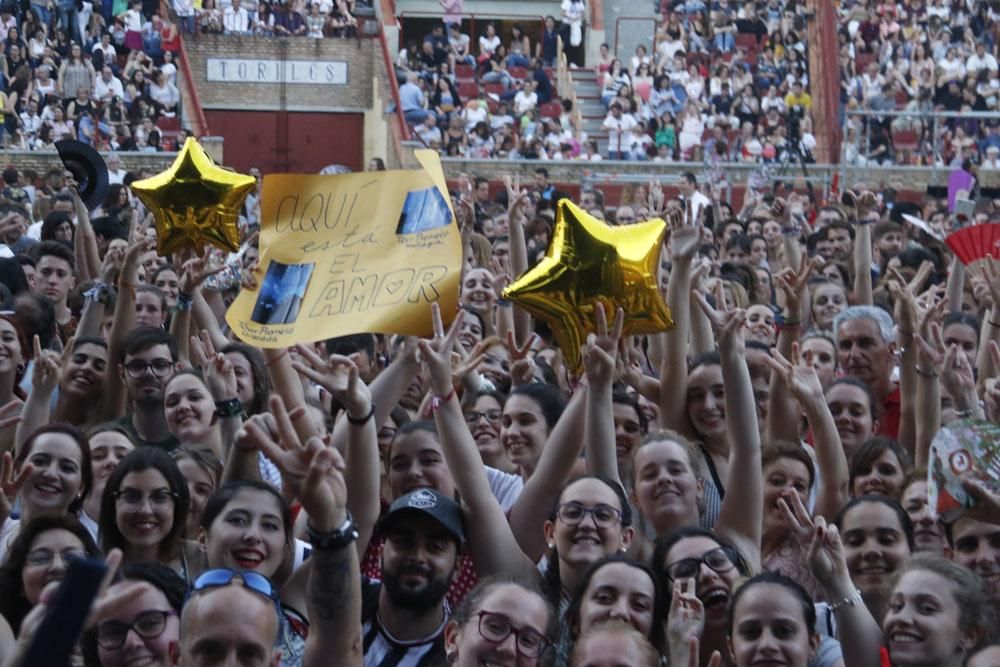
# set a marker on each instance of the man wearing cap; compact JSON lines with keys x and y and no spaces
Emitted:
{"x":404,"y":615}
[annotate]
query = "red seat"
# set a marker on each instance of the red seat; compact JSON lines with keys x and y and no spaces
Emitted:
{"x":168,"y":124}
{"x":748,"y":41}
{"x":468,"y":90}
{"x":861,"y":60}
{"x":518,"y":72}
{"x":901,"y":98}
{"x":495,"y":88}
{"x":551,"y":109}
{"x":493,"y":106}
{"x":905,"y":139}
{"x":465,"y":71}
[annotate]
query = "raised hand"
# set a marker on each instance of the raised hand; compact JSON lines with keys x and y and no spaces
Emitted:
{"x":686,"y":618}
{"x":48,"y":367}
{"x":522,"y":366}
{"x":793,"y":284}
{"x":288,"y":452}
{"x":11,"y":483}
{"x":727,"y":323}
{"x":324,"y":493}
{"x":685,"y":235}
{"x":111,"y":265}
{"x":800,"y":522}
{"x":339,"y":376}
{"x":601,"y":349}
{"x":827,"y":558}
{"x":220,"y":376}
{"x":800,"y":378}
{"x":931,"y":351}
{"x":957,"y":377}
{"x":195,"y":270}
{"x":435,"y":355}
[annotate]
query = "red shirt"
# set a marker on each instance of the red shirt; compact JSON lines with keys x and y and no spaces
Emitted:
{"x":888,"y":424}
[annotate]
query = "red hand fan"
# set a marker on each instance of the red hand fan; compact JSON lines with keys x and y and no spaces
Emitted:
{"x":975,"y":242}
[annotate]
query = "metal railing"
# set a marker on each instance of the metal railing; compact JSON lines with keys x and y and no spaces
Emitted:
{"x":926,"y":128}
{"x":474,"y":19}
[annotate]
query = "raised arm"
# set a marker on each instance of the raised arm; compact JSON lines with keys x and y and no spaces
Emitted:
{"x":84,"y":240}
{"x":931,"y":353}
{"x":799,"y":379}
{"x":494,"y":548}
{"x":684,"y":238}
{"x":45,"y":376}
{"x":863,"y":250}
{"x":355,"y":433}
{"x":599,"y":364}
{"x":333,"y":592}
{"x":113,"y":405}
{"x":859,"y":634}
{"x":742,"y":513}
{"x":518,"y":251}
{"x":792,"y":284}
{"x":541,"y":491}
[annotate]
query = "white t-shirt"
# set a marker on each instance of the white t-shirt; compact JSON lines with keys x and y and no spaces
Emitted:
{"x":506,"y":487}
{"x":618,"y":131}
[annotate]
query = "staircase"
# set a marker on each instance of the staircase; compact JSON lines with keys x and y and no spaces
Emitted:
{"x":588,"y":96}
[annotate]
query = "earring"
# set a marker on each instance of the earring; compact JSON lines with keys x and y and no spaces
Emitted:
{"x":21,"y":368}
{"x":551,"y":545}
{"x":624,"y":548}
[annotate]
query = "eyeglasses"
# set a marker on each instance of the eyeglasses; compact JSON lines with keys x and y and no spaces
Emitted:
{"x":42,"y":557}
{"x":138,"y":367}
{"x":722,"y":559}
{"x":572,"y":514}
{"x":133,"y":498}
{"x":496,"y":628}
{"x":219,"y":577}
{"x":148,"y":625}
{"x":493,"y":416}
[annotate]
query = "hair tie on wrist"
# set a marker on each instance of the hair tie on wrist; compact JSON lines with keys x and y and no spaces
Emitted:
{"x":361,"y":421}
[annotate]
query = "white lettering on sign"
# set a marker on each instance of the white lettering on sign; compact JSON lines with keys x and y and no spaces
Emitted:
{"x":251,"y":70}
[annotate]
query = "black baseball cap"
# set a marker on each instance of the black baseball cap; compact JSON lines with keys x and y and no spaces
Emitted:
{"x":439,"y":507}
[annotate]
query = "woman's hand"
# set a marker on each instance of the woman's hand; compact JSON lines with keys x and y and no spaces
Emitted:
{"x":11,"y":483}
{"x":522,"y":366}
{"x":685,"y":235}
{"x":686,"y":618}
{"x":220,"y":377}
{"x":339,"y":376}
{"x":47,"y":371}
{"x":793,"y":285}
{"x":727,"y":323}
{"x":797,"y":517}
{"x":435,"y":355}
{"x":195,"y":270}
{"x":827,"y":558}
{"x":800,"y":377}
{"x":601,"y":349}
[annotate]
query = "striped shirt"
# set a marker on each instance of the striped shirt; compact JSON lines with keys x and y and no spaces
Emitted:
{"x":383,"y":650}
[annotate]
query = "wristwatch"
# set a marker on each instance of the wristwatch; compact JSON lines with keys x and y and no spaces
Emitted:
{"x":346,"y":534}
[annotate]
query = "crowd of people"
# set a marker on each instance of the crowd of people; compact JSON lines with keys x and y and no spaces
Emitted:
{"x":919,"y":58}
{"x":723,"y":83}
{"x":749,"y":487}
{"x":281,"y":18}
{"x":106,"y":79}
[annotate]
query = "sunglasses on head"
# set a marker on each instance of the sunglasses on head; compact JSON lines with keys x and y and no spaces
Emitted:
{"x":220,"y":577}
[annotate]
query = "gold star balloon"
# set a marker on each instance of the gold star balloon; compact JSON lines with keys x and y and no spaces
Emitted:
{"x":195,"y":202}
{"x":589,"y":261}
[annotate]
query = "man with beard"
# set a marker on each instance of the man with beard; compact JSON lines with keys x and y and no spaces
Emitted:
{"x":150,"y":358}
{"x":404,"y":615}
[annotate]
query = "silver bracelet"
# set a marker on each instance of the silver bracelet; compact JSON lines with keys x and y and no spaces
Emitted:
{"x":849,"y":601}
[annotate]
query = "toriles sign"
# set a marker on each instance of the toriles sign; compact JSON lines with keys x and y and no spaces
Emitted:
{"x":253,"y":70}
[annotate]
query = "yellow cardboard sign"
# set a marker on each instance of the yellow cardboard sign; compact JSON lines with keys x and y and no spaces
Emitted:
{"x":351,"y":253}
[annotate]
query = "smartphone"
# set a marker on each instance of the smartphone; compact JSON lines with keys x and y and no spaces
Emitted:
{"x":60,"y":630}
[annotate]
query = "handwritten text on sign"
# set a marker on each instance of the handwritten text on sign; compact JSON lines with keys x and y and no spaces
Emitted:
{"x":351,"y":253}
{"x":252,"y":70}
